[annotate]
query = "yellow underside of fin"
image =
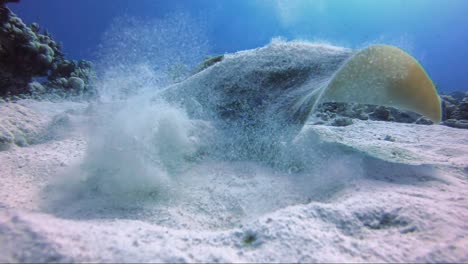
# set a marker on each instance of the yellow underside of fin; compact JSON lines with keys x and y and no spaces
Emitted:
{"x":385,"y":75}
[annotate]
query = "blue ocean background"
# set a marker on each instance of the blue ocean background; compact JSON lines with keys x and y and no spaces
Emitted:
{"x":434,"y":31}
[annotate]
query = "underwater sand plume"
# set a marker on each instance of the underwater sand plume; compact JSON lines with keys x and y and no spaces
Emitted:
{"x":249,"y":107}
{"x":157,"y":146}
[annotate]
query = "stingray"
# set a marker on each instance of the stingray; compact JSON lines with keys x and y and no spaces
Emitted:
{"x":284,"y":83}
{"x":261,"y":99}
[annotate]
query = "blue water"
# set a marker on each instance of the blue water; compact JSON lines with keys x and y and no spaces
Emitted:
{"x":432,"y":30}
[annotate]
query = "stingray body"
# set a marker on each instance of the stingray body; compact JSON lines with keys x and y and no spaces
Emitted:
{"x":285,"y":81}
{"x":267,"y":94}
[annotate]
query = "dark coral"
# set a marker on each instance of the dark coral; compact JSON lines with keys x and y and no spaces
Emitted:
{"x":26,"y":54}
{"x":329,"y":111}
{"x":23,"y":54}
{"x":454,"y":108}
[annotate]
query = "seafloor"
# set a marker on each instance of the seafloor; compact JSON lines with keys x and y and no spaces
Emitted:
{"x":397,"y":195}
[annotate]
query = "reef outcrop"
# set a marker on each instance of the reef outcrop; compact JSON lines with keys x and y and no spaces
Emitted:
{"x":454,"y":108}
{"x":328,"y":113}
{"x":26,"y":54}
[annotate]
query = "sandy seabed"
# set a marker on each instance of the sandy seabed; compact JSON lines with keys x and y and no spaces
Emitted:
{"x":408,"y":202}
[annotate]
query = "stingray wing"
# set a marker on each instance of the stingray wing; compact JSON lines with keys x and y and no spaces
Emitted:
{"x":384,"y":75}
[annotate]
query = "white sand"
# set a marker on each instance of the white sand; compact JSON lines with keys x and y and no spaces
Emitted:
{"x":387,"y":201}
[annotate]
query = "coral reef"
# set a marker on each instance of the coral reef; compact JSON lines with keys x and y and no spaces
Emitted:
{"x":73,"y":76}
{"x":26,"y":54}
{"x":454,"y":107}
{"x":329,"y":113}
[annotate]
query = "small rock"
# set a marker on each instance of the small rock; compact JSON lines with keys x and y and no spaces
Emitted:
{"x":342,"y":121}
{"x":424,"y":121}
{"x":456,"y":123}
{"x":458,"y":95}
{"x":363,"y":116}
{"x":447,"y":109}
{"x":449,"y":98}
{"x":381,"y":113}
{"x":461,"y":112}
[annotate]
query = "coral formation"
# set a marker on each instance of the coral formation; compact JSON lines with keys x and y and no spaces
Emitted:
{"x":454,"y":107}
{"x":27,"y":54}
{"x":329,"y":112}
